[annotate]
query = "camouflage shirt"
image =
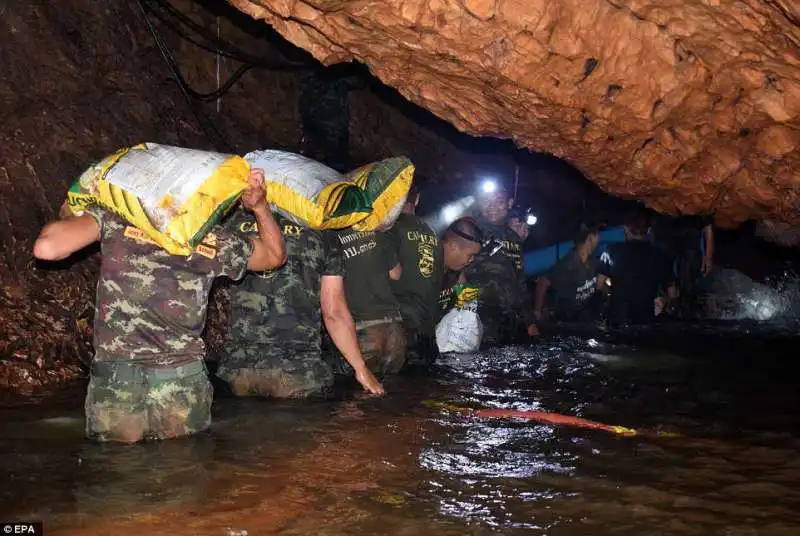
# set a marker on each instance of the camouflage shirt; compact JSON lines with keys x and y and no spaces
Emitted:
{"x":278,"y":312}
{"x":150,"y":305}
{"x":497,"y":270}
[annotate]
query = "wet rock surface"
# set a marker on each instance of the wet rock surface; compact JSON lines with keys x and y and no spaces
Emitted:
{"x":688,"y":106}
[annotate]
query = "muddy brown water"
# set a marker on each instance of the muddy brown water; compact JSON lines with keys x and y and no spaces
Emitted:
{"x":400,"y":465}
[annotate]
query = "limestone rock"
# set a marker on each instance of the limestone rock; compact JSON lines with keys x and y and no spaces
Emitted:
{"x":690,"y":106}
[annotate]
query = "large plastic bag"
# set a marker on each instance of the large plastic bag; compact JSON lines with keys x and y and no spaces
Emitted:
{"x":173,"y":194}
{"x":460,"y":330}
{"x":310,"y":193}
{"x":386,"y":184}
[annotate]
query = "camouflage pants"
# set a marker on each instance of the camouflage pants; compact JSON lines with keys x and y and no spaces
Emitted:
{"x":128,"y":402}
{"x":383,"y":347}
{"x":277,"y":376}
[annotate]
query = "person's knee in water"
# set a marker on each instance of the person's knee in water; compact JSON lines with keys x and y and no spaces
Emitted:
{"x":148,"y":379}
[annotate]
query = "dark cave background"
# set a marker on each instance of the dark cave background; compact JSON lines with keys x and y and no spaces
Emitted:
{"x":84,"y":78}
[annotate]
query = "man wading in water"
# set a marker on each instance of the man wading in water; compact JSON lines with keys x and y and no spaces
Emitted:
{"x":274,"y":346}
{"x":148,"y":378}
{"x":504,"y":304}
{"x":573,"y":281}
{"x":416,"y":286}
{"x":461,"y":242}
{"x":369,"y":260}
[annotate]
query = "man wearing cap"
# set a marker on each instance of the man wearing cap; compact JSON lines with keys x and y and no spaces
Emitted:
{"x":504,"y":306}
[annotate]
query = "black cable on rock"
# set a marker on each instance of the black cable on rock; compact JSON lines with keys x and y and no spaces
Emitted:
{"x":188,"y":93}
{"x":223,"y":47}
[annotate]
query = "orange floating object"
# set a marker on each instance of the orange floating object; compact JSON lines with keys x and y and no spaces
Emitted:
{"x":552,"y":418}
{"x":548,"y":418}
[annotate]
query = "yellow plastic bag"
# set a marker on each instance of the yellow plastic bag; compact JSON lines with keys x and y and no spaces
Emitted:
{"x":310,"y":193}
{"x":386,"y":184}
{"x":172,"y":194}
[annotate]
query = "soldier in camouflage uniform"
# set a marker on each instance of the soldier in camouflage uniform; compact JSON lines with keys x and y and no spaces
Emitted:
{"x":505,"y":307}
{"x":148,"y":378}
{"x":274,"y":344}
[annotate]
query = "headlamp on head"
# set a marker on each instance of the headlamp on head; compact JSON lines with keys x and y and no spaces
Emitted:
{"x":489,"y":186}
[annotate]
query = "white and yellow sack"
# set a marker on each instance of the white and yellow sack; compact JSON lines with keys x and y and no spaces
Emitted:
{"x":309,"y":193}
{"x":172,"y":194}
{"x":460,"y":330}
{"x":386,"y":184}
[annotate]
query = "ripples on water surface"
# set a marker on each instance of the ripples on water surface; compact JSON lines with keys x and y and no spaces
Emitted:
{"x":401,"y":465}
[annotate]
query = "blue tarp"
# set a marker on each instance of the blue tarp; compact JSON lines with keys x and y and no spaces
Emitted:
{"x":540,"y":260}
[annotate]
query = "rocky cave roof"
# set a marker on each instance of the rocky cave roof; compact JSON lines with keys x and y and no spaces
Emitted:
{"x":690,"y":106}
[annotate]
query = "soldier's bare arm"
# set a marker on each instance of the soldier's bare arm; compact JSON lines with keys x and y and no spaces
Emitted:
{"x":61,"y":238}
{"x":342,"y":329}
{"x":269,"y":249}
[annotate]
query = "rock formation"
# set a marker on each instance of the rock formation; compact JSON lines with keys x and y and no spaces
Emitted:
{"x":689,"y":106}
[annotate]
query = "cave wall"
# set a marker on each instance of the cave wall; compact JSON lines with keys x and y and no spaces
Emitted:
{"x":691,"y":107}
{"x":81,"y":79}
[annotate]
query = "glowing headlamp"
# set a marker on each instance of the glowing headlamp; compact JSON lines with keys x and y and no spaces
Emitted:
{"x":489,"y":186}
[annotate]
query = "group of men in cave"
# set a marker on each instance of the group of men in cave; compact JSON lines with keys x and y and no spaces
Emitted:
{"x":307,"y":306}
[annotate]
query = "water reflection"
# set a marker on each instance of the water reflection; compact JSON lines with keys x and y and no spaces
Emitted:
{"x":359,"y":465}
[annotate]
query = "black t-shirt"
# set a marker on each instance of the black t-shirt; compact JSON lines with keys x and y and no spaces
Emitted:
{"x":573,"y":283}
{"x":368,"y":257}
{"x":638,"y":271}
{"x":420,"y":254}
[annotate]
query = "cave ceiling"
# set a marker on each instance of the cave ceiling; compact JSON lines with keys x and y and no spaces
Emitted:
{"x":690,"y":106}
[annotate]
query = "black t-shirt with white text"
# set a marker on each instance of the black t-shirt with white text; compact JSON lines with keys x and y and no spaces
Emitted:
{"x":368,"y":257}
{"x":573,"y":283}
